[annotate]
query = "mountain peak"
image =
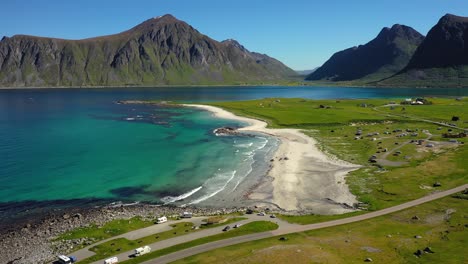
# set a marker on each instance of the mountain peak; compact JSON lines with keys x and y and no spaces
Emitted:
{"x":166,"y":16}
{"x":161,"y":50}
{"x":157,"y":21}
{"x":449,"y":18}
{"x":399,"y":30}
{"x":234,"y":43}
{"x":385,"y":55}
{"x":444,"y":46}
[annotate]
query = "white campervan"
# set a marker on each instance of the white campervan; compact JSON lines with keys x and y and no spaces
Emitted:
{"x":112,"y":260}
{"x":142,"y":250}
{"x":162,"y":220}
{"x":187,"y":215}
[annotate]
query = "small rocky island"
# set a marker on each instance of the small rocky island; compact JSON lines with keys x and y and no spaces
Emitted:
{"x":226,"y":131}
{"x":230,"y":131}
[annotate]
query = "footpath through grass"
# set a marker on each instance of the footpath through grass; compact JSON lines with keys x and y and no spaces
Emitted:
{"x":408,"y":236}
{"x":250,"y":228}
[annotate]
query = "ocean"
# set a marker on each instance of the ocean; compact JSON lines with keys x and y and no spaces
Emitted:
{"x":78,"y":147}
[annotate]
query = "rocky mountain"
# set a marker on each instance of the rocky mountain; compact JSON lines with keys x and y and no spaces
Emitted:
{"x":441,"y":59}
{"x":160,"y":51}
{"x":382,"y":57}
{"x":446,"y":45}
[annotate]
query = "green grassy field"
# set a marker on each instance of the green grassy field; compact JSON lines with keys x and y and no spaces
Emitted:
{"x":334,"y":123}
{"x":440,"y":225}
{"x":250,"y":228}
{"x":114,"y":246}
{"x":110,"y":229}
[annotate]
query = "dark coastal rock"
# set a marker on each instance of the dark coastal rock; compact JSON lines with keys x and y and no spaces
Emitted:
{"x":33,"y":240}
{"x":223,"y":131}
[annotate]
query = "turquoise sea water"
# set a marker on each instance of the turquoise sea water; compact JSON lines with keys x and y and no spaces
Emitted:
{"x":122,"y":152}
{"x":66,"y":147}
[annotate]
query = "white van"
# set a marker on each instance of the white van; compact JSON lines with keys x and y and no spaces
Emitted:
{"x":187,"y":215}
{"x":112,"y":260}
{"x":64,"y":259}
{"x":162,"y":220}
{"x":142,"y":250}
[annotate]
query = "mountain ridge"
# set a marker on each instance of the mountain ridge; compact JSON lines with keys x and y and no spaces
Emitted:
{"x":159,"y":51}
{"x":441,"y":59}
{"x":384,"y":55}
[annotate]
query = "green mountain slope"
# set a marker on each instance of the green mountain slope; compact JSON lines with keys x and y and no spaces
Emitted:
{"x":160,"y":51}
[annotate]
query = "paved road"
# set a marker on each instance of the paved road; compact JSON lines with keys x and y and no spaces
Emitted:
{"x":414,"y":117}
{"x":154,"y":229}
{"x":299,"y":228}
{"x":136,"y":234}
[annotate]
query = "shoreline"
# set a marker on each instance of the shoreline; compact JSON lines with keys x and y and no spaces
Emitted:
{"x":33,"y":240}
{"x":301,"y":178}
{"x":304,"y":84}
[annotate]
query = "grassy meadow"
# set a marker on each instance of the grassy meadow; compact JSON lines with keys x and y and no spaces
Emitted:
{"x":408,"y":170}
{"x":109,"y":229}
{"x":115,"y":246}
{"x":250,"y":228}
{"x":407,"y":236}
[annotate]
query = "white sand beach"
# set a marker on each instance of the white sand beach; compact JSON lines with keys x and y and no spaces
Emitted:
{"x":302,"y":178}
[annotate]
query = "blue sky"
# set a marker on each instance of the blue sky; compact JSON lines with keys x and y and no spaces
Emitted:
{"x":301,"y":33}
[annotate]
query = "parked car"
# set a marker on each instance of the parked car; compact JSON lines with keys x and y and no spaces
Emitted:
{"x":272,"y":216}
{"x":227,"y":228}
{"x":261,"y":214}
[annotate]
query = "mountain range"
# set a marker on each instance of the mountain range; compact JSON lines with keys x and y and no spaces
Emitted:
{"x":383,"y":56}
{"x":160,"y":51}
{"x":166,"y":51}
{"x":441,"y":59}
{"x":400,"y":56}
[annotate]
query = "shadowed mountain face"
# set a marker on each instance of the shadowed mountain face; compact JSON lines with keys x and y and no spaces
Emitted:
{"x":441,"y":59}
{"x":446,"y":45}
{"x":382,"y":57}
{"x":162,"y":50}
